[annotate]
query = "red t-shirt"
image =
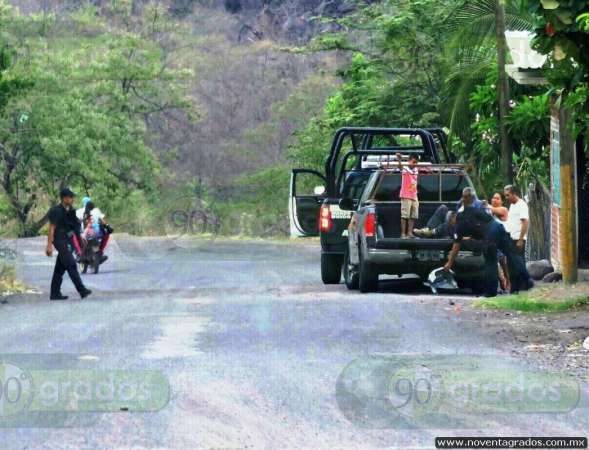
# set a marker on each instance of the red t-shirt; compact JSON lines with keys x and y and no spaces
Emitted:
{"x":409,"y":183}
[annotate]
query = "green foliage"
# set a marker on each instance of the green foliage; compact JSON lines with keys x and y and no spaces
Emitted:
{"x":473,"y":51}
{"x":74,"y":112}
{"x":528,"y":122}
{"x":534,"y":302}
{"x":394,"y":78}
{"x":562,"y":33}
{"x":261,"y":208}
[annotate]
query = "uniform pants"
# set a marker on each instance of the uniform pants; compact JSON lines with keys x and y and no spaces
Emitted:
{"x":65,"y":262}
{"x":438,"y":223}
{"x":520,"y":254}
{"x":497,"y":238}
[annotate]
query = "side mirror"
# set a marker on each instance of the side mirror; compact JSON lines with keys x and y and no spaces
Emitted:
{"x":346,"y":204}
{"x":319,"y":190}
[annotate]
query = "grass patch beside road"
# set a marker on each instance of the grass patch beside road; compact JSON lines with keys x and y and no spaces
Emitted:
{"x":8,"y":282}
{"x":555,"y":298}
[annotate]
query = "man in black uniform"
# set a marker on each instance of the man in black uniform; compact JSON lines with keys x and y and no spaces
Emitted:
{"x":63,"y":225}
{"x":475,"y":223}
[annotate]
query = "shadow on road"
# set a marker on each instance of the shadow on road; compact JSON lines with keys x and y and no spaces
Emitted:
{"x":394,"y":285}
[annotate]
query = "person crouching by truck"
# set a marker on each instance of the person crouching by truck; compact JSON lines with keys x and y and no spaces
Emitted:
{"x":63,"y":226}
{"x":475,"y":223}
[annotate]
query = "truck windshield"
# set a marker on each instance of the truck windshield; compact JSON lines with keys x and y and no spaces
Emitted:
{"x":354,"y":184}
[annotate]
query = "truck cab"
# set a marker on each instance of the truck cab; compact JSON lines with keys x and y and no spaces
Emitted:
{"x":354,"y":155}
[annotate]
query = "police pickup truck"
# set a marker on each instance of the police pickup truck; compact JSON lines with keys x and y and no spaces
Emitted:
{"x":315,"y":196}
{"x":374,"y":245}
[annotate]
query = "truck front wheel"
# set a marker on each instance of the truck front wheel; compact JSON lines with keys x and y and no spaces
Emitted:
{"x":368,"y":280}
{"x":331,"y":268}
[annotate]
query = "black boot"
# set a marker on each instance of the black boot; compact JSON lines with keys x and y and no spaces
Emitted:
{"x":58,"y":296}
{"x":85,"y":293}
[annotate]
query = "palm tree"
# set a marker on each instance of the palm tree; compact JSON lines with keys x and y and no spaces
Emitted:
{"x":479,"y":29}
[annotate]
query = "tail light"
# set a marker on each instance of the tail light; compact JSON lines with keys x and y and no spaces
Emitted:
{"x":370,"y":225}
{"x":325,"y":222}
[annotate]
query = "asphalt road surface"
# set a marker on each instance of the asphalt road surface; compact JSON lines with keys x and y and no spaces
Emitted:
{"x":252,"y":351}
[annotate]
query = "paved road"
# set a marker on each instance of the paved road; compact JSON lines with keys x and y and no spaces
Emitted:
{"x":252,"y":345}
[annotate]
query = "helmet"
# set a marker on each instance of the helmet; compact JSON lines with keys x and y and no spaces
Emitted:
{"x":439,"y":279}
{"x":85,"y":201}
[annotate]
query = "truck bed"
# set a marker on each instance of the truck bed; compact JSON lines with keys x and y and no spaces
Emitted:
{"x":426,"y":244}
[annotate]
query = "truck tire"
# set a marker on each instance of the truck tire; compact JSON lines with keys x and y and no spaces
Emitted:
{"x":331,"y":268}
{"x":351,"y":276}
{"x":478,"y":286}
{"x":368,"y":277}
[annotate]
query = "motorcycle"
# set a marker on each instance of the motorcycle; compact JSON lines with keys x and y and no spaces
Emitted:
{"x":91,"y":257}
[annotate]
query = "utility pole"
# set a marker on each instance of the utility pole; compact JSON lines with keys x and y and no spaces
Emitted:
{"x":568,"y":197}
{"x":503,"y":94}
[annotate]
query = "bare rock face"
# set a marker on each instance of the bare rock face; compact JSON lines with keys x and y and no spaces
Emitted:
{"x":284,"y":20}
{"x":539,"y":269}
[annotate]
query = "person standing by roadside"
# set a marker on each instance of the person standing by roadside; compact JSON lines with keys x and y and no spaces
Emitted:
{"x":501,"y":214}
{"x":63,"y":226}
{"x":518,"y":222}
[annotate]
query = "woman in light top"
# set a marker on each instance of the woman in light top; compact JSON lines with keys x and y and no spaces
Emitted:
{"x":501,"y":213}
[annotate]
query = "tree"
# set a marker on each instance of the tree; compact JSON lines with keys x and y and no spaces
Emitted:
{"x":562,"y":33}
{"x":479,"y":46}
{"x":80,"y":121}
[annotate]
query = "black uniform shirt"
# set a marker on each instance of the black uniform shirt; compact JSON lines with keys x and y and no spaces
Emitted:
{"x":65,"y":222}
{"x":473,"y":223}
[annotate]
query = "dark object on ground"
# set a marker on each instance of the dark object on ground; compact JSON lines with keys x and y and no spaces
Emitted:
{"x":85,"y":293}
{"x":539,"y":269}
{"x":439,"y":279}
{"x":553,"y":277}
{"x":58,"y":297}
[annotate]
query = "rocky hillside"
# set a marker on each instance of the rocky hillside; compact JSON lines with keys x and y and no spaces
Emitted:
{"x":250,"y":95}
{"x":289,"y":20}
{"x":284,"y":20}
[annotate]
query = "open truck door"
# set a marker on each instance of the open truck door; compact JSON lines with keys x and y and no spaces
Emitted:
{"x":307,"y":192}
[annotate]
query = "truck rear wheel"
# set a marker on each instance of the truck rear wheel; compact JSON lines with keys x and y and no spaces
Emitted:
{"x":368,"y":277}
{"x":331,"y":268}
{"x":351,"y":276}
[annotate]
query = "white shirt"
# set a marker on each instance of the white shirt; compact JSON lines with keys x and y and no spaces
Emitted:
{"x":518,"y":211}
{"x":97,"y":215}
{"x":80,"y":213}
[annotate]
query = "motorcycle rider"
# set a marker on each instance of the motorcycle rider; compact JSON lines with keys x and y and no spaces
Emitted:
{"x":94,"y":223}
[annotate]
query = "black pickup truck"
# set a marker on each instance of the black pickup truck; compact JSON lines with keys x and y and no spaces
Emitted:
{"x":314,"y":196}
{"x":374,"y":245}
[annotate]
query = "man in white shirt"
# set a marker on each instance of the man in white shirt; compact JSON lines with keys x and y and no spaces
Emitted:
{"x":518,"y":219}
